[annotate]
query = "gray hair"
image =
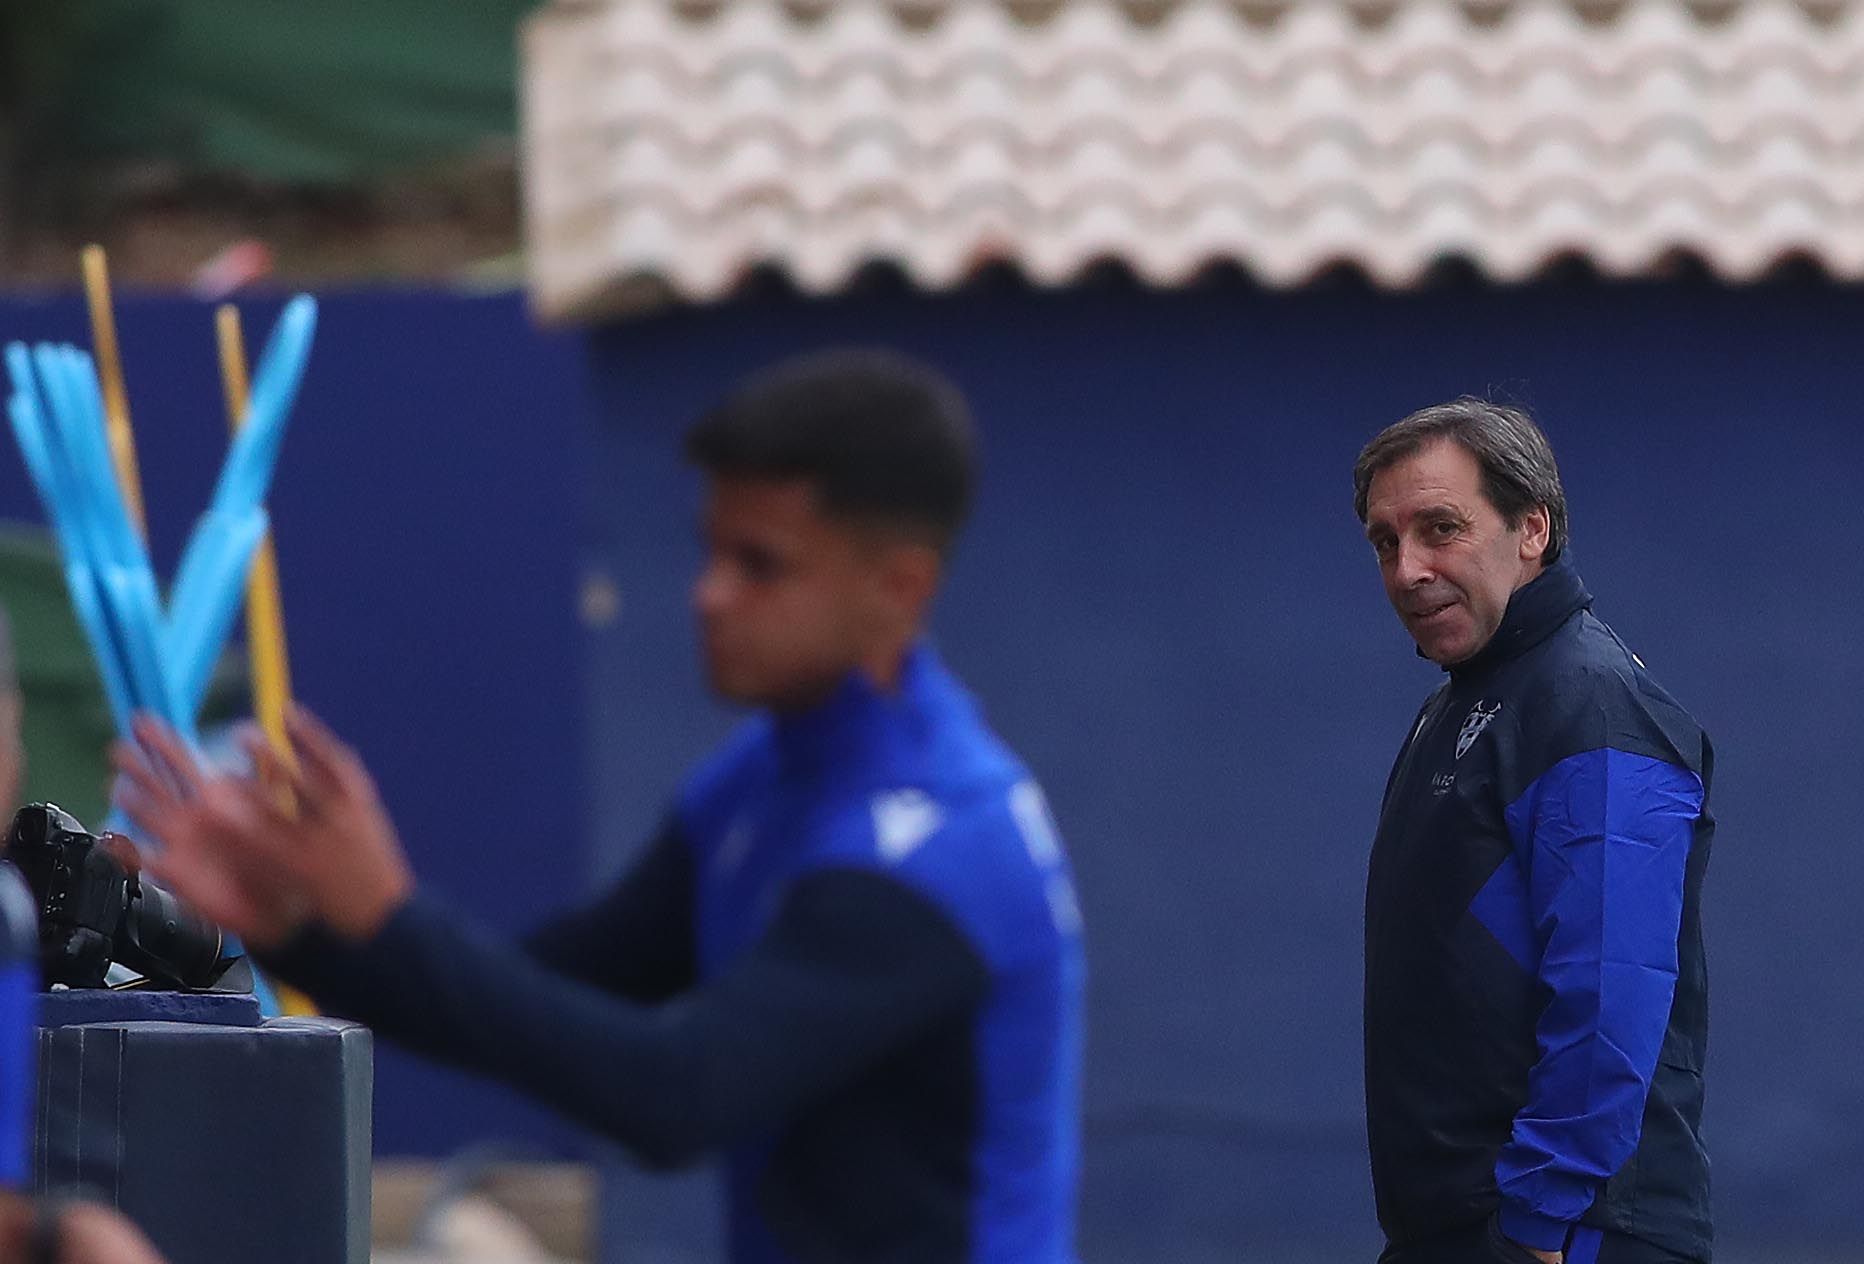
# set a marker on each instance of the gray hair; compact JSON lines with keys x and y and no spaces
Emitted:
{"x":1518,"y":470}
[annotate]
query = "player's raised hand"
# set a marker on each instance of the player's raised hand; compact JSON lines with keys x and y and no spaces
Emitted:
{"x":219,"y":845}
{"x":302,"y":839}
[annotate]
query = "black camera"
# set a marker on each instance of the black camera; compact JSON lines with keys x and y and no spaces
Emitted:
{"x":96,"y":910}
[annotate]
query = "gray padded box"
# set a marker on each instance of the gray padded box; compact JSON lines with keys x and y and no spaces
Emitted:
{"x":224,"y":1142}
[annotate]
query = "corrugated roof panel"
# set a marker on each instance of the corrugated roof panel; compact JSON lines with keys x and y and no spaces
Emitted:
{"x":685,"y":151}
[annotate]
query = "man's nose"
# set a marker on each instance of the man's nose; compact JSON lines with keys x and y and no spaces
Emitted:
{"x":1411,"y":566}
{"x":712,"y":590}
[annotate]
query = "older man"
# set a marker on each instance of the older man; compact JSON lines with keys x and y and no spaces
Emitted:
{"x":1536,"y":1000}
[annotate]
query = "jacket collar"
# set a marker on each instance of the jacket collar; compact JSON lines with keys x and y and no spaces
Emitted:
{"x":1534,"y":613}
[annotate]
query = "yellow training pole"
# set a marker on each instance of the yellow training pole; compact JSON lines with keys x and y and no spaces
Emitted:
{"x":110,"y":376}
{"x":265,"y":613}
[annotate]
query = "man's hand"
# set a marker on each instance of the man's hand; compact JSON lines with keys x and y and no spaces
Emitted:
{"x":83,"y":1233}
{"x":262,"y":856}
{"x":1499,"y":1240}
{"x":89,"y":1233}
{"x":1545,"y":1257}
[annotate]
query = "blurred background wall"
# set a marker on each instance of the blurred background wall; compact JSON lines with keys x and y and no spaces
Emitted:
{"x":1166,"y":605}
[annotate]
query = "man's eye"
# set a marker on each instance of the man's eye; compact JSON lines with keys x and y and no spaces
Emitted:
{"x":758,"y":567}
{"x":1384,"y":545}
{"x":1443,"y":530}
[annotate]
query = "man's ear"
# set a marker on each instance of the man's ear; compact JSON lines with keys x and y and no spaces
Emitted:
{"x":909,"y":575}
{"x":1536,"y":533}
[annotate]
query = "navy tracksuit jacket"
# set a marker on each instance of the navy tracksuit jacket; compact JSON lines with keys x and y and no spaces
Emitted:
{"x":1536,"y":1003}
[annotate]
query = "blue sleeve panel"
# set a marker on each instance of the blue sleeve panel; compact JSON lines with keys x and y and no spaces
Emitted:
{"x":1602,"y":839}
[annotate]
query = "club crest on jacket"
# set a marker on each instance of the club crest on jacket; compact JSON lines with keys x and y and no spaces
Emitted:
{"x":1477,"y":720}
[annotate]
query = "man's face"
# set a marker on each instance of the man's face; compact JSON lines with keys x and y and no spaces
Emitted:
{"x":1449,"y":561}
{"x":789,"y":600}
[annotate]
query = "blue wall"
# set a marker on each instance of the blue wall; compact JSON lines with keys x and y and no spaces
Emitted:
{"x":1167,"y":606}
{"x":426,"y":525}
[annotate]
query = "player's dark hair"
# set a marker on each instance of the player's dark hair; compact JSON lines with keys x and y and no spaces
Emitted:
{"x":1518,"y":469}
{"x":881,"y":437}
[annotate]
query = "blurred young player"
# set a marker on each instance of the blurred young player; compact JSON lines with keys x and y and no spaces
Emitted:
{"x":851,"y":959}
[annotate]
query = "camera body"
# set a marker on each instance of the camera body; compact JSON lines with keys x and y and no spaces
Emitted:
{"x":96,"y":909}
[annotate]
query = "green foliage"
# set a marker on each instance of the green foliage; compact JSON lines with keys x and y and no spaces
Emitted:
{"x":333,"y":92}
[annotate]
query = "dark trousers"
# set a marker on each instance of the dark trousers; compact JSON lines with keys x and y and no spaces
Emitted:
{"x":1484,"y":1244}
